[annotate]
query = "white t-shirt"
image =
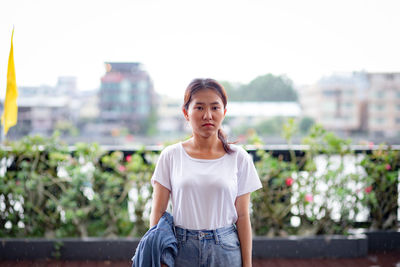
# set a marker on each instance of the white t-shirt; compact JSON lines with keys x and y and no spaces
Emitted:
{"x":203,"y":191}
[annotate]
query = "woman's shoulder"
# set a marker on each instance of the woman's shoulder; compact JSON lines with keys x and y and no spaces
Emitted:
{"x":239,"y":150}
{"x":171,"y":149}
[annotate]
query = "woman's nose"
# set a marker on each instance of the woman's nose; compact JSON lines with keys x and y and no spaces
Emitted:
{"x":207,"y":114}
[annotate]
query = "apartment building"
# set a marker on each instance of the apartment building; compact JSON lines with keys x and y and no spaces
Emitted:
{"x":384,"y":104}
{"x":126,"y":97}
{"x":41,"y":108}
{"x":355,"y":103}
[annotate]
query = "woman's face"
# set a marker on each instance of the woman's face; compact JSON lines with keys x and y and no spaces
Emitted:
{"x":205,"y":113}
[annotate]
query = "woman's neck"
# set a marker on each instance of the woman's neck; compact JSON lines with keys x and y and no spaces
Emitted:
{"x":207,"y":148}
{"x":210,"y":143}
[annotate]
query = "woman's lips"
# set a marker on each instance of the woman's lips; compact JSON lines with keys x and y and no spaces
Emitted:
{"x":208,"y":125}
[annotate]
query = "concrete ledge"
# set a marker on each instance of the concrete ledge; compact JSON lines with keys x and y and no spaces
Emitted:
{"x":68,"y":249}
{"x":124,"y":248}
{"x":383,"y":240}
{"x":311,"y":247}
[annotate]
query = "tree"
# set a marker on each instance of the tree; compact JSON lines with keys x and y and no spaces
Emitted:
{"x":270,"y":127}
{"x":305,"y":124}
{"x":263,"y":88}
{"x":231,"y":90}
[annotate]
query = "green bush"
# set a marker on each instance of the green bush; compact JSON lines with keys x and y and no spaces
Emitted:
{"x":382,"y":168}
{"x":47,"y":190}
{"x":298,"y":197}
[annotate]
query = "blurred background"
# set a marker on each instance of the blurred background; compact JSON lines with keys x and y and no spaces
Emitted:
{"x":114,"y":72}
{"x":98,"y":80}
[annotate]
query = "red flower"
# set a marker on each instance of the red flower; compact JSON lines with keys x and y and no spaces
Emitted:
{"x":309,"y":198}
{"x":368,"y":189}
{"x":17,"y":182}
{"x":121,"y":168}
{"x":371,"y":145}
{"x":388,"y":167}
{"x":128,"y":158}
{"x":289,"y":181}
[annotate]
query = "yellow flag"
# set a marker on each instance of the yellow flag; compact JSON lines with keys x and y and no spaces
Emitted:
{"x":10,"y":113}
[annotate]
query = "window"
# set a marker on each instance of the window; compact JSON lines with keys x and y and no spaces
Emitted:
{"x":142,"y":98}
{"x":329,"y":106}
{"x":380,"y":94}
{"x":379,"y":134}
{"x":143,"y":109}
{"x":346,"y":118}
{"x":142,"y":86}
{"x":348,"y":105}
{"x":349,"y":92}
{"x":329,"y":93}
{"x":125,"y":90}
{"x":175,"y":105}
{"x":125,"y":86}
{"x":390,"y":76}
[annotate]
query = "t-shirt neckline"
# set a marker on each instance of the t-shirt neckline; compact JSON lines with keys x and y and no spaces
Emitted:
{"x":197,"y":159}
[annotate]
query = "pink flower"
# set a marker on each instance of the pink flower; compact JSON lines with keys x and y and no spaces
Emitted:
{"x":129,"y":137}
{"x":368,"y":189}
{"x":128,"y":158}
{"x":308,"y":198}
{"x":241,"y":138}
{"x":388,"y":167}
{"x":121,"y":168}
{"x":371,"y":145}
{"x":289,"y":181}
{"x":17,"y":182}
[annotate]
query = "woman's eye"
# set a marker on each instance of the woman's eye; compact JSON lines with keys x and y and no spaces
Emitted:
{"x":199,"y":108}
{"x":215,"y":108}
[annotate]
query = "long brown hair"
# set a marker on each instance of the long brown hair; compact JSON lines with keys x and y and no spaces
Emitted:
{"x":201,"y":84}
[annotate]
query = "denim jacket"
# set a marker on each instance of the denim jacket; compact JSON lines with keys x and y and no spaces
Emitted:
{"x":157,"y":245}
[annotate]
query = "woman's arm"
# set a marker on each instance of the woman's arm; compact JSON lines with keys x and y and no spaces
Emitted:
{"x":159,"y":203}
{"x":244,"y":228}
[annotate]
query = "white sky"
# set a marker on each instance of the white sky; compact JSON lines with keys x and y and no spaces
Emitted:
{"x":178,"y":40}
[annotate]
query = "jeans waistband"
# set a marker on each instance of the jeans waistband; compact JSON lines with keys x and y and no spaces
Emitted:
{"x":204,"y":234}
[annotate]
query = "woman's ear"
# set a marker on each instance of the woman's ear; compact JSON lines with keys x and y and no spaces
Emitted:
{"x":185,"y":114}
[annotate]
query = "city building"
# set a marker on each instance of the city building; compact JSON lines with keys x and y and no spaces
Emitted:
{"x":41,"y":109}
{"x":170,"y":116}
{"x":126,"y":98}
{"x":384,"y":104}
{"x":355,"y":103}
{"x":336,"y":102}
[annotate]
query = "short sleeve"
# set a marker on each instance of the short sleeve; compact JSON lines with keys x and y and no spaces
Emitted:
{"x":162,"y":173}
{"x":248,"y":180}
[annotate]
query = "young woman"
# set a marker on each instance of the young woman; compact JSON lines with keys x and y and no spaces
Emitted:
{"x":209,"y":182}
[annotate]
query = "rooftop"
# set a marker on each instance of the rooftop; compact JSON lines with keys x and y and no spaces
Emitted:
{"x":382,"y":259}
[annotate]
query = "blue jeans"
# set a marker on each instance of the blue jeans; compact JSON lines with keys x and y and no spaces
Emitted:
{"x":205,"y":248}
